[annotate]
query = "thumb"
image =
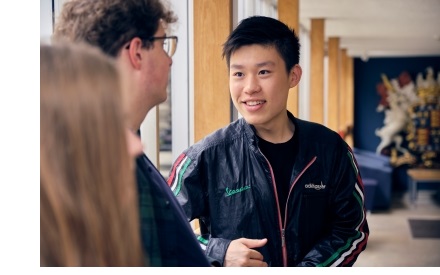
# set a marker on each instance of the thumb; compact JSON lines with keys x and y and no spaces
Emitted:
{"x":252,"y":243}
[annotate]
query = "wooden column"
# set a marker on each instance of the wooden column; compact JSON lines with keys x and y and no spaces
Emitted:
{"x":212,"y":25}
{"x":343,"y":123}
{"x":288,"y":12}
{"x":333,"y":107}
{"x":350,"y":97}
{"x":317,"y":71}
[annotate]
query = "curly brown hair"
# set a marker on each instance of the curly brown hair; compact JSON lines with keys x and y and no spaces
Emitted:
{"x":109,"y":24}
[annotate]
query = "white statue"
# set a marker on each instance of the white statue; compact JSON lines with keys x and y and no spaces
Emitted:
{"x":396,"y":119}
{"x":399,"y":100}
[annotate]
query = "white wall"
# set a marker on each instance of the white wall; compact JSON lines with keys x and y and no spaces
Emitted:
{"x":45,"y":19}
{"x":181,"y":80}
{"x":304,"y":84}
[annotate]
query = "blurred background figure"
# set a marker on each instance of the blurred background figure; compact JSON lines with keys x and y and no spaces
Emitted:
{"x":88,"y":197}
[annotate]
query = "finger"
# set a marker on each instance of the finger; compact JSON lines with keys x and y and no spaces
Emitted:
{"x":257,"y":263}
{"x":253,"y":254}
{"x":252,"y":243}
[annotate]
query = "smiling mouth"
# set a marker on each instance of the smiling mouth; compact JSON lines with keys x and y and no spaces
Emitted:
{"x":254,"y":103}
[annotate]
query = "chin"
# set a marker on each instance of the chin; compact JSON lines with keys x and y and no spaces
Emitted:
{"x":163,"y":98}
{"x":252,"y":120}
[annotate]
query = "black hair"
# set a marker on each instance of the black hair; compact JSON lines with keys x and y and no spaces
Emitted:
{"x":265,"y":31}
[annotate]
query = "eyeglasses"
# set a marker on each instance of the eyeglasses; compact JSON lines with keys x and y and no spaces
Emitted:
{"x":169,"y":43}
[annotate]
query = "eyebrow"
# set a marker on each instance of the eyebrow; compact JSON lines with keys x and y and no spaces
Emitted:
{"x":258,"y":65}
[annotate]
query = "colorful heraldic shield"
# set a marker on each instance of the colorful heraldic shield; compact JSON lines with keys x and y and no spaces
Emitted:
{"x":424,"y":130}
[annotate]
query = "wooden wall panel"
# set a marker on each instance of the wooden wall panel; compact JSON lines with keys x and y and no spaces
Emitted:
{"x":317,"y":71}
{"x":288,"y":12}
{"x":212,"y":25}
{"x":333,"y":107}
{"x":343,"y":122}
{"x":350,"y":97}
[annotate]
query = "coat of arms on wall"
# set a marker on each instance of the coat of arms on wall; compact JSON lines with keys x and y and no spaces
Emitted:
{"x":411,"y":130}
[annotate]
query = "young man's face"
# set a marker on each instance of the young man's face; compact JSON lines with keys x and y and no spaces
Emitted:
{"x":259,"y":84}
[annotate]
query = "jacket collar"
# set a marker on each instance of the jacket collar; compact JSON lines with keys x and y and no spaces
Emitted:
{"x":250,"y":130}
{"x":305,"y":150}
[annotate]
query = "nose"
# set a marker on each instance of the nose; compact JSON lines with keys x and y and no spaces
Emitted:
{"x":252,"y":86}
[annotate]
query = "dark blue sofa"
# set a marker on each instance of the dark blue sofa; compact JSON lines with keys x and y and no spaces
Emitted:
{"x":378,"y":168}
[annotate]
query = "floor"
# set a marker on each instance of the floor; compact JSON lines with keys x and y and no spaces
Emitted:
{"x":391,"y":243}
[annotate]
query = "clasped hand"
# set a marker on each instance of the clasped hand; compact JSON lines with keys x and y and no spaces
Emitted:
{"x":240,"y":253}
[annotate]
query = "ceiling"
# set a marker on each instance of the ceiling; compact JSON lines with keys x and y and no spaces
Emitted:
{"x":378,"y":28}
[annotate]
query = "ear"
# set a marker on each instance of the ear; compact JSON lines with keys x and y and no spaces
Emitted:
{"x":135,"y":53}
{"x":295,"y":75}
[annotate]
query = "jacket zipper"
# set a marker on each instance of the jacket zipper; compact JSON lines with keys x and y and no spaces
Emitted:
{"x":283,"y":230}
{"x":280,"y":225}
{"x":283,"y":245}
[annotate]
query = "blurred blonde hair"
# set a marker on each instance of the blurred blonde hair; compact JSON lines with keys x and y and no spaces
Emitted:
{"x":88,"y":198}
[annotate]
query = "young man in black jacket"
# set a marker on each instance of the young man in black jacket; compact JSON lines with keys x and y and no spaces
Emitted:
{"x":134,"y":33}
{"x":270,"y":189}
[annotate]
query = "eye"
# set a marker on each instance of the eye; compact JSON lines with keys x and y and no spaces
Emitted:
{"x":238,"y":74}
{"x":264,"y":72}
